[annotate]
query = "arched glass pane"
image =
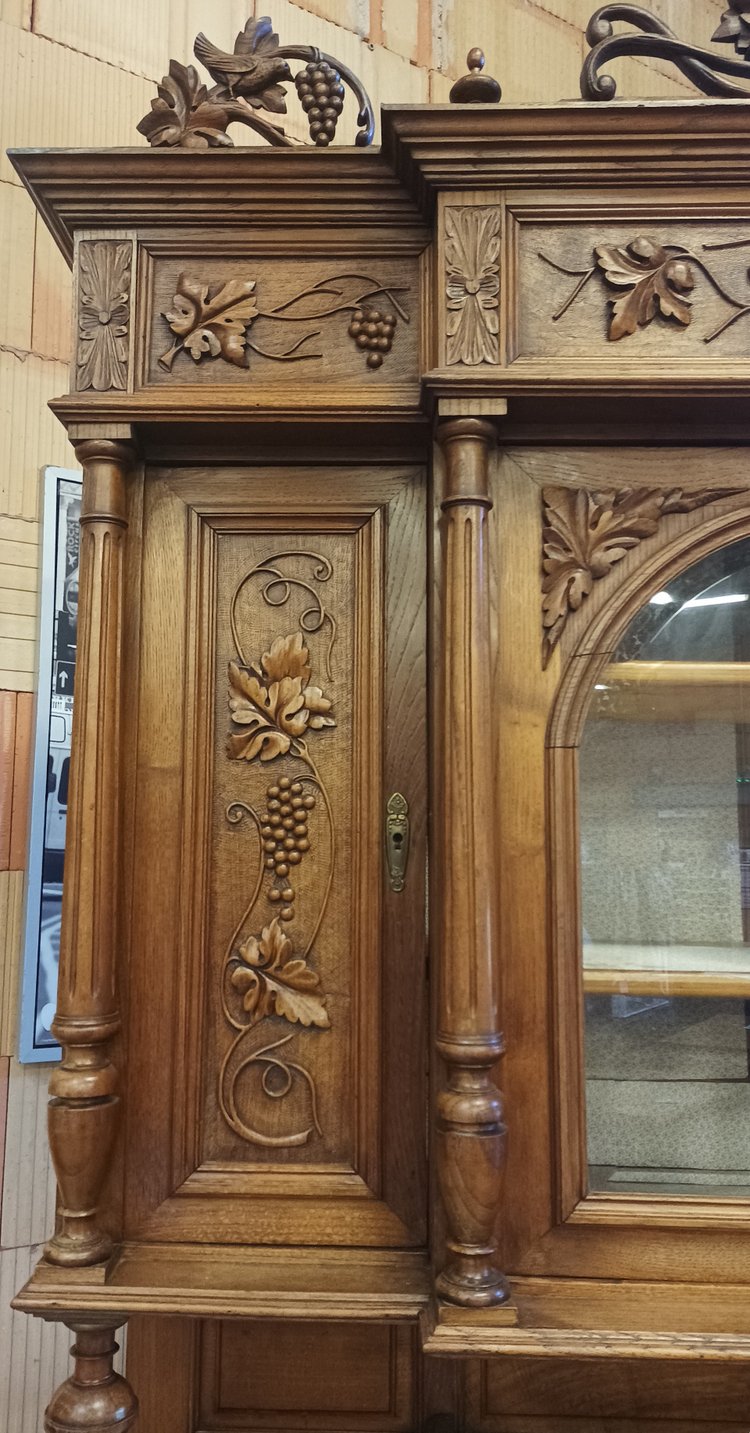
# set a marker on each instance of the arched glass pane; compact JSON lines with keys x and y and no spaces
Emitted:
{"x":665,"y":852}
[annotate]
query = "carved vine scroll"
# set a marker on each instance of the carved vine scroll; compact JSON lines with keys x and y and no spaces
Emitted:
{"x":586,"y":533}
{"x":267,"y":975}
{"x":654,"y":279}
{"x":104,"y":275}
{"x":214,"y":321}
{"x":472,"y":285}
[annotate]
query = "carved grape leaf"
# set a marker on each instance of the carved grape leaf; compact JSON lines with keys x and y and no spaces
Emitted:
{"x":586,"y":533}
{"x":287,"y":658}
{"x":273,"y":703}
{"x":658,"y":282}
{"x":184,"y":115}
{"x":257,"y":38}
{"x":274,"y":982}
{"x":213,"y":324}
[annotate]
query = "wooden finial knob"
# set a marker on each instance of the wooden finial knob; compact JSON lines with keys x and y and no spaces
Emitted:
{"x":475,"y":88}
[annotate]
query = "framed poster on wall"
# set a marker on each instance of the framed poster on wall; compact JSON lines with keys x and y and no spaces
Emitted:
{"x":58,"y":621}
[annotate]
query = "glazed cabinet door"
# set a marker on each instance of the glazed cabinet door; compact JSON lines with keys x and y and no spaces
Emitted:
{"x":622,"y":617}
{"x":275,"y":825}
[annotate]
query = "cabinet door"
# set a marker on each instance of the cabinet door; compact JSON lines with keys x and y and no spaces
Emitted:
{"x":275,"y":970}
{"x":621,"y":798}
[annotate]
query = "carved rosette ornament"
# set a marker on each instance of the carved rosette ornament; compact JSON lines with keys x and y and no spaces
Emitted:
{"x":104,"y":273}
{"x":472,"y":285}
{"x":267,"y":976}
{"x":586,"y":533}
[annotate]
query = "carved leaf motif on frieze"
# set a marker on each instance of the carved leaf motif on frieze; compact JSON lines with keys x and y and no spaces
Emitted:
{"x":274,"y":708}
{"x":659,"y":279}
{"x":214,"y":325}
{"x":472,"y":285}
{"x":104,"y":271}
{"x":586,"y":533}
{"x":214,"y":321}
{"x":657,"y":282}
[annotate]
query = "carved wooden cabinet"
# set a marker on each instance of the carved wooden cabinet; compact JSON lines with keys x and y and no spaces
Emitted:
{"x":393,"y":463}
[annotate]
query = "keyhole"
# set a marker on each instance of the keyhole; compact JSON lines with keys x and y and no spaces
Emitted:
{"x":397,"y":838}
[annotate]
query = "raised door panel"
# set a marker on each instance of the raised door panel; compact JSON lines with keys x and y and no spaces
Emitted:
{"x":276,"y":980}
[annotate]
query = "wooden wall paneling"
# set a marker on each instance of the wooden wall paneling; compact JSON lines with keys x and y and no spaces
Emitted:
{"x":34,"y":1353}
{"x":30,"y":436}
{"x":31,"y":65}
{"x":4,"y":1079}
{"x":22,"y":758}
{"x":28,"y":1213}
{"x":17,"y":222}
{"x":11,"y":928}
{"x":7,"y":752}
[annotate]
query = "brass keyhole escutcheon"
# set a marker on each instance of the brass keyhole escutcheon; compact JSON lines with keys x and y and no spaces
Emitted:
{"x":397,"y":839}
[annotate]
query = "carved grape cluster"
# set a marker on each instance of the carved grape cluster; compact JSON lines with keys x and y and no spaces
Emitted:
{"x":373,"y":331}
{"x":285,"y":837}
{"x":321,"y":95}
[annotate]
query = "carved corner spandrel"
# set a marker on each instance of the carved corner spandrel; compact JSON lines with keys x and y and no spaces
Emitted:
{"x":586,"y":533}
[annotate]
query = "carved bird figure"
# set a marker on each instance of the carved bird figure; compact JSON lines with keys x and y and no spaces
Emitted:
{"x":735,"y":27}
{"x":253,"y":77}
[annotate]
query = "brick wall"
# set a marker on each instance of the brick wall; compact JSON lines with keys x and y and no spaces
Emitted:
{"x":82,"y":72}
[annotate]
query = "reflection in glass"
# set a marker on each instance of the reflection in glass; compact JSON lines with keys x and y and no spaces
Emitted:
{"x":665,"y":845}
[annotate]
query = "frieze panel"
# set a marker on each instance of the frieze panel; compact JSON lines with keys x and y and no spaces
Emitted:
{"x":225,"y":324}
{"x":649,"y":289}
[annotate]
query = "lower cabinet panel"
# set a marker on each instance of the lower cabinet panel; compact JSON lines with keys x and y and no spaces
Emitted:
{"x":299,"y":1377}
{"x":550,"y":1395}
{"x":307,"y":1376}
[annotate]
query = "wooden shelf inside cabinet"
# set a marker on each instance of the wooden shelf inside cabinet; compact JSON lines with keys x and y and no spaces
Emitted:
{"x":673,"y":691}
{"x":212,"y":1281}
{"x":615,"y":969}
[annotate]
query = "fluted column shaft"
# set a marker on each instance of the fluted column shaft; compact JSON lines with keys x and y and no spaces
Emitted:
{"x":83,"y":1088}
{"x":470,"y":1131}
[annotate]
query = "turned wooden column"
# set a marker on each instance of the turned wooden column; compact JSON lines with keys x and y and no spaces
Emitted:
{"x":94,"y":1398}
{"x":470,"y":1131}
{"x":83,"y":1089}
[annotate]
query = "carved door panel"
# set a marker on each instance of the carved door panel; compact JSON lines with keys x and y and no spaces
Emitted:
{"x":276,"y":986}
